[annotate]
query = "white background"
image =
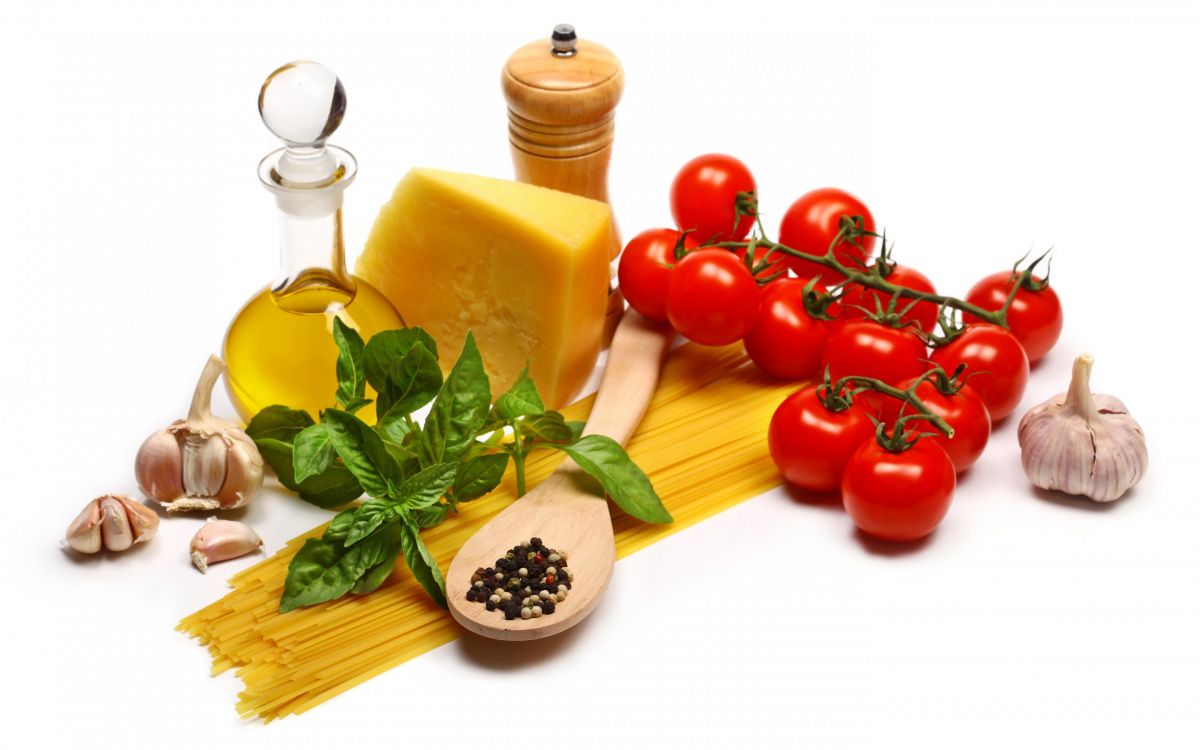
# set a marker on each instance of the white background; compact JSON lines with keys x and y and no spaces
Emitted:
{"x":134,"y":227}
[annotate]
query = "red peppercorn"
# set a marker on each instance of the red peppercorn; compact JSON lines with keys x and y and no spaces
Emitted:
{"x":538,"y":557}
{"x":550,"y":578}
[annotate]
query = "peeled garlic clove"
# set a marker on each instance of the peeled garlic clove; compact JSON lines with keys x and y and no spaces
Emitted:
{"x":243,"y":472}
{"x":222,"y":540}
{"x":1083,"y":443}
{"x":201,"y":462}
{"x":84,"y":532}
{"x":159,"y":467}
{"x":114,"y":525}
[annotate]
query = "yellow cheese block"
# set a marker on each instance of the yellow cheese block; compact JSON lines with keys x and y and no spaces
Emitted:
{"x":523,"y":267}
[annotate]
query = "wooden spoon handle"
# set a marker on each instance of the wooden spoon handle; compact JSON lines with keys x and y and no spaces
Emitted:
{"x":630,"y":376}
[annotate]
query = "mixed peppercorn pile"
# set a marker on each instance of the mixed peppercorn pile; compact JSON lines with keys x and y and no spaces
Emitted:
{"x":529,"y":581}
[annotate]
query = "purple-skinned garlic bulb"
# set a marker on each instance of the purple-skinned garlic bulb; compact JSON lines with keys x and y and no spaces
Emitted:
{"x":1083,"y":443}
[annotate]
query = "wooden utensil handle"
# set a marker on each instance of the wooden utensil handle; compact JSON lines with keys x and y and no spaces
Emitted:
{"x":630,"y":376}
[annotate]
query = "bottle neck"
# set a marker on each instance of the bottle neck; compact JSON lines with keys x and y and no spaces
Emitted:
{"x":312,"y":275}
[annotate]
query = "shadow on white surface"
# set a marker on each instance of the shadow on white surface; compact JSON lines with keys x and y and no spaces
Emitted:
{"x":513,"y":656}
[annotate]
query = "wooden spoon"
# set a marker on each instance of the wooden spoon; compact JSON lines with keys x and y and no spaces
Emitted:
{"x":567,"y":510}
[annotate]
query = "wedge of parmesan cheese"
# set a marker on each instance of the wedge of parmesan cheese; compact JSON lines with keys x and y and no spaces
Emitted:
{"x":523,"y":267}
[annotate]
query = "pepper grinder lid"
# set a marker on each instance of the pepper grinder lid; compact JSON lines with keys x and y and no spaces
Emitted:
{"x":563,"y":81}
{"x":302,"y":103}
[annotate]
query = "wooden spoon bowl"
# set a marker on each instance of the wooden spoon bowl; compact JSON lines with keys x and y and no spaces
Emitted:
{"x":567,"y":510}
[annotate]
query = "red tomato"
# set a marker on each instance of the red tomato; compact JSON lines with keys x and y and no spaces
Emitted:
{"x":899,"y":497}
{"x":786,"y":342}
{"x":857,"y":298}
{"x":864,"y":347}
{"x":1034,"y":317}
{"x":811,"y":224}
{"x":964,"y":411}
{"x":712,"y":299}
{"x":997,"y":368}
{"x":704,"y":198}
{"x":645,"y":270}
{"x":810,"y":444}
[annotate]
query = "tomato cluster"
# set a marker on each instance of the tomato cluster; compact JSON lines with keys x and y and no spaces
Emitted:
{"x":800,"y":319}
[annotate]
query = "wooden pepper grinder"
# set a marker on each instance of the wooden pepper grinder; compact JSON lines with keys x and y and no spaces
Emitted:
{"x":562,"y":95}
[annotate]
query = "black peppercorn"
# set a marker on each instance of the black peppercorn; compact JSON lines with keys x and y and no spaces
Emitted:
{"x":540,"y":588}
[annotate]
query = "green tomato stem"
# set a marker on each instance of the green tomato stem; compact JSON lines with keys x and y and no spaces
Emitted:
{"x":874,"y":280}
{"x":862,"y":383}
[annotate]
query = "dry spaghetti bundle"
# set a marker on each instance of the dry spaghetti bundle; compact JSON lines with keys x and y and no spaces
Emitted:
{"x":702,"y":442}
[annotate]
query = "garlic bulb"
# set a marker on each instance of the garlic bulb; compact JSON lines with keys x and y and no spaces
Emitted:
{"x":1083,"y":444}
{"x":222,"y":540}
{"x":112,"y":522}
{"x":202,"y":462}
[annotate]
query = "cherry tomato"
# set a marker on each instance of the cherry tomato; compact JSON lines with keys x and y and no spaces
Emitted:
{"x":712,"y":299}
{"x":864,"y":347}
{"x":645,"y":270}
{"x":964,"y":411}
{"x":997,"y":368}
{"x":1035,"y":316}
{"x":857,"y":298}
{"x":899,"y":497}
{"x":786,"y":342}
{"x":704,"y":198}
{"x":811,"y":444}
{"x":811,"y":224}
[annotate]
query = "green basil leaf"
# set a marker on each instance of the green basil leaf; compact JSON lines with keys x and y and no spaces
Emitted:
{"x":371,"y":515}
{"x":374,"y":577}
{"x":431,"y":516}
{"x":426,"y":487}
{"x":386,"y":348}
{"x":411,"y":382}
{"x":312,"y":452}
{"x":460,"y":409}
{"x":325,"y":569}
{"x":339,"y":527}
{"x":393,"y":426}
{"x":278,"y":423}
{"x":362,"y":451}
{"x":422,"y":564}
{"x":478,"y":476}
{"x":522,"y":400}
{"x":550,"y":427}
{"x":332,"y":488}
{"x":352,"y":378}
{"x":628,"y":485}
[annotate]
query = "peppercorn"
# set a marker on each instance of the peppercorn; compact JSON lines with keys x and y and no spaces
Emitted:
{"x":527,"y":582}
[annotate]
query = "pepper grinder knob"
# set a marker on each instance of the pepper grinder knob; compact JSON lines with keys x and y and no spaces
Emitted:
{"x":302,"y":103}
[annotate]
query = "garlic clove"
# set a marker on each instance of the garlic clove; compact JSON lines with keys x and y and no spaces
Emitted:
{"x":222,"y":540}
{"x":159,"y":467}
{"x":204,"y":464}
{"x":243,"y":473}
{"x":114,"y":525}
{"x":84,"y":532}
{"x":143,"y":521}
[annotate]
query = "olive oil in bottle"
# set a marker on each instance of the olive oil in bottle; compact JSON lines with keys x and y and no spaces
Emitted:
{"x":280,"y":349}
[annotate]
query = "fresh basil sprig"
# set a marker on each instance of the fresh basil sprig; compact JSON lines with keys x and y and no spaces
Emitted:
{"x":416,"y":473}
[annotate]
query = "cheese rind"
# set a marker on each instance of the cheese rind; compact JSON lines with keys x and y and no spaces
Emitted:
{"x":523,"y":267}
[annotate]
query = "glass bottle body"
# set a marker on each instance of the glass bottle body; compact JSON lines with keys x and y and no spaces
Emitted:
{"x":280,"y":349}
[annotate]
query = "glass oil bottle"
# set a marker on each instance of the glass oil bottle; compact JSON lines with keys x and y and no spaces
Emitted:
{"x":280,"y":349}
